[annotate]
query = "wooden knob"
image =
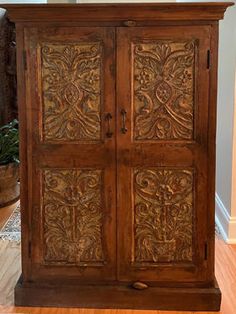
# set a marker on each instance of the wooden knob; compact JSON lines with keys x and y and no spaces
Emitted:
{"x":139,"y":285}
{"x":129,"y":23}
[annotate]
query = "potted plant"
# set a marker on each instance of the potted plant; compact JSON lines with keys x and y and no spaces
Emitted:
{"x":9,"y":164}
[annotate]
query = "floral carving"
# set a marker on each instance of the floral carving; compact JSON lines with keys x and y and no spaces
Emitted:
{"x":71,"y":80}
{"x":163,"y":90}
{"x":72,"y":213}
{"x":163,"y":215}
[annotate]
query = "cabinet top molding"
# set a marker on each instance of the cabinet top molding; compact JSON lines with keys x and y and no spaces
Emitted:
{"x":117,"y":13}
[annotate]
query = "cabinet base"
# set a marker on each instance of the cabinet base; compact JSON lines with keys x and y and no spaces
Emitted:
{"x":120,"y":297}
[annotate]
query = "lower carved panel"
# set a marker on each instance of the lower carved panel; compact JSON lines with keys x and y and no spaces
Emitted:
{"x":163,"y":215}
{"x":72,"y":216}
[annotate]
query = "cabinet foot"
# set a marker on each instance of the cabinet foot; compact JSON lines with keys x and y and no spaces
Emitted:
{"x":117,"y":296}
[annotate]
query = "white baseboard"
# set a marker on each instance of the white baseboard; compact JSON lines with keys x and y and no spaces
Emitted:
{"x":225,"y":222}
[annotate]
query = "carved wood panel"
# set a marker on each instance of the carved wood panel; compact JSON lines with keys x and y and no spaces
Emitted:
{"x":73,"y":216}
{"x":163,"y":83}
{"x":71,"y":83}
{"x":8,"y":101}
{"x":163,"y":215}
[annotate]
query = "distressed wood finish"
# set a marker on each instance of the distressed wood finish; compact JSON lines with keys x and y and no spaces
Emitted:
{"x":118,"y":14}
{"x":174,"y":130}
{"x":118,"y":133}
{"x":71,"y":78}
{"x":72,"y":217}
{"x":72,"y":158}
{"x":163,"y":215}
{"x":163,"y":81}
{"x":8,"y":101}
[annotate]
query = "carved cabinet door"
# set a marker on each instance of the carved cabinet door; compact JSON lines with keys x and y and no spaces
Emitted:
{"x":70,"y":115}
{"x":162,"y":126}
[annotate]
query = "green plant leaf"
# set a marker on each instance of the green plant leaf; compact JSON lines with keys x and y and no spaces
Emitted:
{"x":9,"y":143}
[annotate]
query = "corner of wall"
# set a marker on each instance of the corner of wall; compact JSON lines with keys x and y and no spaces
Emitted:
{"x":226,"y":137}
{"x":225,"y":222}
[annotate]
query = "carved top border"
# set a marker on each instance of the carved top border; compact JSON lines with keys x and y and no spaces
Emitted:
{"x":117,"y":14}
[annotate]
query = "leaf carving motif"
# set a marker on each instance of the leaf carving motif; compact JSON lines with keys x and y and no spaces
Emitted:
{"x":71,"y":80}
{"x":163,"y":90}
{"x":72,"y":213}
{"x":163,"y":215}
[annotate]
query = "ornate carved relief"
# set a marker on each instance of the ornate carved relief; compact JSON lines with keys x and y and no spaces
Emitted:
{"x":71,"y":80}
{"x":163,"y":215}
{"x":163,"y":90}
{"x":8,"y":101}
{"x":72,"y":213}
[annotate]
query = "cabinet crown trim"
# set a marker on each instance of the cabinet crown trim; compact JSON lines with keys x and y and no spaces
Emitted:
{"x":117,"y":14}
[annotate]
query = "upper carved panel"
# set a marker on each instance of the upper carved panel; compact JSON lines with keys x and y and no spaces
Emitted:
{"x":72,"y":216}
{"x":163,"y":90}
{"x":163,"y":215}
{"x":71,"y":82}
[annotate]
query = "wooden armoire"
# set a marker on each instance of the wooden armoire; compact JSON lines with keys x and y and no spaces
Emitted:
{"x":117,"y":121}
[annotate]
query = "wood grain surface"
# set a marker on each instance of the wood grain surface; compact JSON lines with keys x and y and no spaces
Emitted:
{"x":136,"y":107}
{"x":156,"y":12}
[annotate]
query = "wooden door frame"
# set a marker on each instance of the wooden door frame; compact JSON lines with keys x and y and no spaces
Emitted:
{"x":45,"y":155}
{"x":164,"y":154}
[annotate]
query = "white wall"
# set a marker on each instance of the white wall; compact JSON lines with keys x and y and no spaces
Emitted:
{"x":226,"y":125}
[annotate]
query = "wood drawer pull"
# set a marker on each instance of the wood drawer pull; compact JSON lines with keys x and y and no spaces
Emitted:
{"x":139,"y":285}
{"x":130,"y":23}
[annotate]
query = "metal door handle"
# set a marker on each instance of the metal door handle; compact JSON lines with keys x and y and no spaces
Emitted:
{"x":108,"y":118}
{"x":123,"y":127}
